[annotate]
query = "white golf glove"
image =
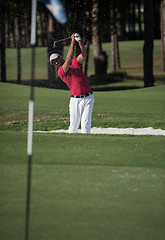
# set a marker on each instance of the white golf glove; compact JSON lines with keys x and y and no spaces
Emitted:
{"x":77,"y":37}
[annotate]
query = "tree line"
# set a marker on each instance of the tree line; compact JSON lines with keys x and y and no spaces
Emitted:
{"x":97,"y":22}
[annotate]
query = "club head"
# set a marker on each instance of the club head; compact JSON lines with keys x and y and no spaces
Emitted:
{"x":54,"y":44}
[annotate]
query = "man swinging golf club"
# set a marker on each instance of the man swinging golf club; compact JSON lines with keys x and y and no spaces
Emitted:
{"x":82,"y":99}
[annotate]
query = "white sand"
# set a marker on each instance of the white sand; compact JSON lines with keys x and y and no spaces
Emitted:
{"x":129,"y":131}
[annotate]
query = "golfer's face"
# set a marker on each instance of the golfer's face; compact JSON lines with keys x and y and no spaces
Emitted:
{"x":57,"y":62}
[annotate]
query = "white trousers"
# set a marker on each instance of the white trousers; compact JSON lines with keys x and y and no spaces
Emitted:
{"x":81,"y":111}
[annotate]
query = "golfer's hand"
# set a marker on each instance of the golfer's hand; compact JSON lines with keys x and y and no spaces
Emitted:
{"x":77,"y":37}
{"x":73,"y":37}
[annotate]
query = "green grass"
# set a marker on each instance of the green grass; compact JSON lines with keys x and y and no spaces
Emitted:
{"x":83,"y":187}
{"x":102,"y":150}
{"x":86,"y":187}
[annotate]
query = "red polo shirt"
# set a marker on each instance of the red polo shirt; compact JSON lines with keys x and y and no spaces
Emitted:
{"x":75,"y":79}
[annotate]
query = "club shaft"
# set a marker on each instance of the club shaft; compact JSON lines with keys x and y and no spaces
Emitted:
{"x":62,"y":39}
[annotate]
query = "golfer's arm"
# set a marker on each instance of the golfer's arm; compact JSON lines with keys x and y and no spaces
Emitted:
{"x":69,"y":58}
{"x":82,"y":56}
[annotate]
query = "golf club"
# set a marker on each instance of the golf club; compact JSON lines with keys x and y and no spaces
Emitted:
{"x":54,"y":44}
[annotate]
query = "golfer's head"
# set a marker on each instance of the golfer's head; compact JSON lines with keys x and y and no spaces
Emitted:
{"x":56,"y":60}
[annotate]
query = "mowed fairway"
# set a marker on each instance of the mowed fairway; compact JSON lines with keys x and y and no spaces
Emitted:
{"x":86,"y":187}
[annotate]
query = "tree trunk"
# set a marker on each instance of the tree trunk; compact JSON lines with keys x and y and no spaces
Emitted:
{"x":163,"y":32}
{"x":117,"y":53}
{"x":13,"y":32}
{"x":157,"y":31}
{"x":3,"y":38}
{"x":100,"y":57}
{"x":148,"y":43}
{"x":17,"y":38}
{"x":51,"y":70}
{"x":18,"y":64}
{"x":115,"y":59}
{"x":86,"y":61}
{"x":139,"y":19}
{"x":113,"y":52}
{"x":42,"y":29}
{"x":133,"y":18}
{"x":95,"y":36}
{"x":26,"y":34}
{"x":59,"y":49}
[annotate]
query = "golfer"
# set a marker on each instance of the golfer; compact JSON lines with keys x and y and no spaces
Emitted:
{"x":82,"y":99}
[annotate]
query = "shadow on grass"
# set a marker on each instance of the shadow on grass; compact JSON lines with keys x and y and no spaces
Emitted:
{"x":105,"y":82}
{"x":43,"y":83}
{"x":112,"y":82}
{"x":114,"y":88}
